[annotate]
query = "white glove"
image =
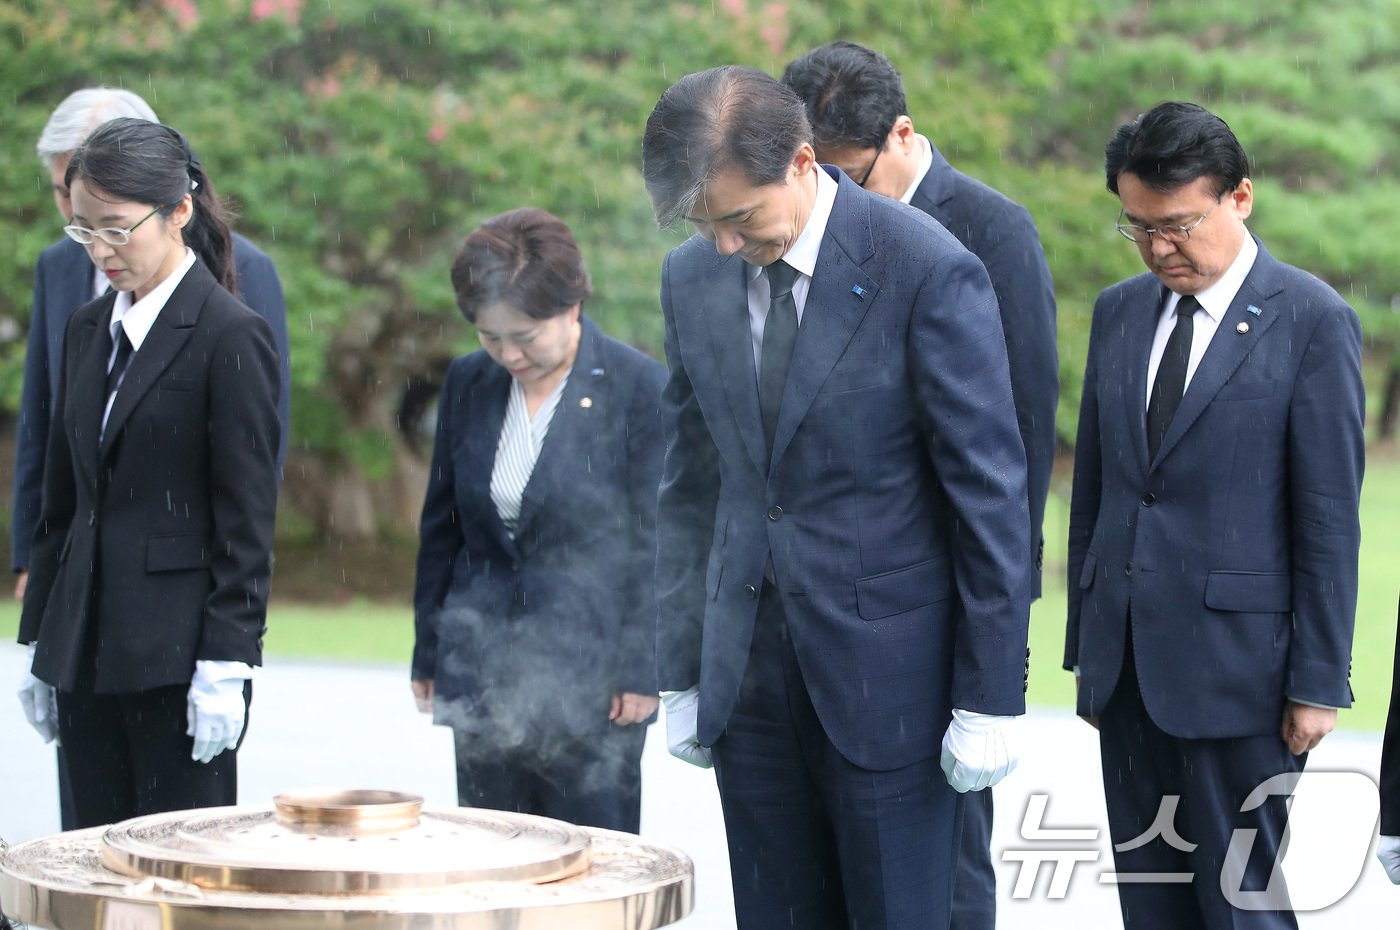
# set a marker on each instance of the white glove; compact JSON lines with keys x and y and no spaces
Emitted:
{"x":979,"y":750}
{"x":1388,"y":852}
{"x":215,"y":710}
{"x":682,"y":708}
{"x":40,"y":703}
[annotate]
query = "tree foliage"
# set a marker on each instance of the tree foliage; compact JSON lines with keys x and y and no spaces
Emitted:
{"x":359,"y":140}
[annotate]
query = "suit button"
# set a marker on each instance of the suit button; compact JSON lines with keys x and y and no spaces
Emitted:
{"x":1149,"y":499}
{"x":750,"y":590}
{"x":775,"y":514}
{"x":92,"y":517}
{"x":1129,"y":570}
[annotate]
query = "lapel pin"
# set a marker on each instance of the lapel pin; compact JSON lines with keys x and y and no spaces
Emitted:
{"x":1242,"y":328}
{"x":597,"y":372}
{"x":1254,"y":310}
{"x":586,"y":402}
{"x":858,"y":291}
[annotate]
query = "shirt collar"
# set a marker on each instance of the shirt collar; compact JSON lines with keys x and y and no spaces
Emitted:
{"x":1216,"y":299}
{"x":803,"y":254}
{"x":138,"y":318}
{"x":925,"y":163}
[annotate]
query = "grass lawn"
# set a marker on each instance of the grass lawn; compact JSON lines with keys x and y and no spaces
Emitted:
{"x":366,"y":631}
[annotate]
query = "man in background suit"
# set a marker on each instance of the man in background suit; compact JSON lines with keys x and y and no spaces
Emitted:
{"x":861,"y":124}
{"x":1214,"y":525}
{"x":64,"y":280}
{"x":841,"y":526}
{"x":1388,"y":851}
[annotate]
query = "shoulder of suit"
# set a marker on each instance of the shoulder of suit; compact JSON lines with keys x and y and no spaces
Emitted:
{"x":64,"y":257}
{"x":246,"y":252}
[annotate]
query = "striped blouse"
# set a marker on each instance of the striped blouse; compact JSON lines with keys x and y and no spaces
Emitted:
{"x":522,"y":437}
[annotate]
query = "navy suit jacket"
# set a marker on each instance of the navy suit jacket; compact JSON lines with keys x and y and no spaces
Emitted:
{"x":161,"y":535}
{"x":1001,"y":233}
{"x":561,"y":617}
{"x":1233,"y":554}
{"x":894,"y":506}
{"x":63,"y":283}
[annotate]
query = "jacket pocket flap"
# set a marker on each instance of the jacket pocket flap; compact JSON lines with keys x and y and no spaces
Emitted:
{"x":1086,"y":574}
{"x":176,"y":553}
{"x":1249,"y":592}
{"x":890,"y":593}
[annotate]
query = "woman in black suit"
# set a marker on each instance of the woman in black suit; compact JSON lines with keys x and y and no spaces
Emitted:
{"x":534,"y":609}
{"x":149,"y":575}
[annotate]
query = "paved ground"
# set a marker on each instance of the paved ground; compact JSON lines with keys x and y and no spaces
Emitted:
{"x":355,"y":726}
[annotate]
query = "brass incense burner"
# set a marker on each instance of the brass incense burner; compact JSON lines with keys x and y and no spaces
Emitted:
{"x":331,"y":858}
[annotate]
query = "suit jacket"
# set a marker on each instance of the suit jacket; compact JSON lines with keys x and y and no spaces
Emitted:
{"x":544,"y":628}
{"x":161,"y":536}
{"x":1003,"y":236}
{"x":1390,"y":755}
{"x":62,"y":284}
{"x":894,"y":503}
{"x":1235,"y":550}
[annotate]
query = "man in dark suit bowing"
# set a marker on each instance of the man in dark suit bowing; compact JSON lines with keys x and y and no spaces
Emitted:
{"x":841,"y":525}
{"x":861,"y":123}
{"x":1214,"y":527}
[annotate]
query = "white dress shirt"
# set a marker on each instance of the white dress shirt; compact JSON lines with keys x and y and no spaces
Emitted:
{"x":1214,"y":301}
{"x":925,"y":164}
{"x":137,"y":318}
{"x":802,"y":256}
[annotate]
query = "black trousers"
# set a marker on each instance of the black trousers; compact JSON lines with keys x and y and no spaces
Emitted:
{"x":975,"y":894}
{"x":593,"y":781}
{"x":128,"y":755}
{"x":1211,"y":778}
{"x":816,"y":842}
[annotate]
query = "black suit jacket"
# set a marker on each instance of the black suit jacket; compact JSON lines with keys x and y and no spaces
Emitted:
{"x":549,"y":625}
{"x":1002,"y":234}
{"x":62,"y":284}
{"x":162,"y":535}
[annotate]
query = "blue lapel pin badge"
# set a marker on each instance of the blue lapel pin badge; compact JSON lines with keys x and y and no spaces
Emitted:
{"x":597,"y":372}
{"x":858,"y":291}
{"x":1254,"y":310}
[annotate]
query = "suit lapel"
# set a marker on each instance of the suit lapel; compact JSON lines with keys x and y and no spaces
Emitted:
{"x":1228,"y":348}
{"x":726,"y":307}
{"x":584,"y":401}
{"x":486,"y":414}
{"x":839,"y":296}
{"x":168,"y":335}
{"x":85,"y":399}
{"x":935,"y":189}
{"x":1142,"y":316}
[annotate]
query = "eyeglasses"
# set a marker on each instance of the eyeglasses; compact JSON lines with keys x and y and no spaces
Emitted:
{"x":1176,"y":234}
{"x":866,"y":177}
{"x":111,"y":235}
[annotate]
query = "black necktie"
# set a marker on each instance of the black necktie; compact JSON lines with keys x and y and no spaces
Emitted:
{"x":115,"y":372}
{"x":779,"y":334}
{"x":1171,"y":376}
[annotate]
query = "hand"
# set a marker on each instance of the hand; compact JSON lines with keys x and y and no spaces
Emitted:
{"x":979,"y":750}
{"x":423,"y":694}
{"x":215,"y":710}
{"x":1091,"y":721}
{"x":21,"y":583}
{"x":628,"y":708}
{"x":682,"y":710}
{"x":1388,"y":852}
{"x":1305,"y":726}
{"x":40,"y":704}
